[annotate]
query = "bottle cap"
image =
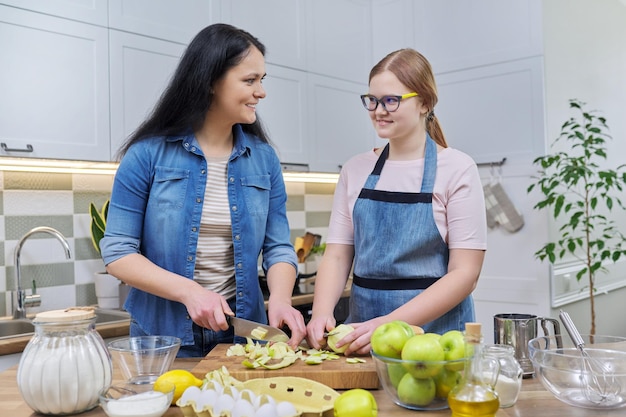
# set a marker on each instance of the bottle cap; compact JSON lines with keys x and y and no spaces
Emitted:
{"x":473,"y":332}
{"x":65,"y":315}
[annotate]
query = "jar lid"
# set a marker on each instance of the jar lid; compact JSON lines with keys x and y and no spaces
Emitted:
{"x":67,"y":314}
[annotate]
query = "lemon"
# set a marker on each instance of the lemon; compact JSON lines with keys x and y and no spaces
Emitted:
{"x":180,"y":378}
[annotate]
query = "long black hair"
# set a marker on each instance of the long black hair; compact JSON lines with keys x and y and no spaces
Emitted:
{"x":185,"y":102}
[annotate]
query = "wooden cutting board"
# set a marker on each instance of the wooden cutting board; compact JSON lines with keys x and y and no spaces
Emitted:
{"x":337,"y":374}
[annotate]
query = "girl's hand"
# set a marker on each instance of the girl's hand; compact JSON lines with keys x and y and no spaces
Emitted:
{"x":358,"y":341}
{"x":316,"y":328}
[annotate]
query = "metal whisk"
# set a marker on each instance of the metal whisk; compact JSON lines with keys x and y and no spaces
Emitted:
{"x":600,"y":385}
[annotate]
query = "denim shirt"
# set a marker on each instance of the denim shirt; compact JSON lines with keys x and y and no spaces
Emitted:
{"x":155,"y":210}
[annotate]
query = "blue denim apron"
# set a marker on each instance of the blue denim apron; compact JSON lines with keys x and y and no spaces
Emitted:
{"x":399,"y":251}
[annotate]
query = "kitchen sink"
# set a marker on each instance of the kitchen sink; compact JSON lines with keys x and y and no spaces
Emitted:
{"x":22,"y":327}
{"x":13,"y":328}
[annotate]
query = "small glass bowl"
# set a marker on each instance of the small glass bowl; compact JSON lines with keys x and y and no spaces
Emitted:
{"x":136,"y":400}
{"x":142,"y":359}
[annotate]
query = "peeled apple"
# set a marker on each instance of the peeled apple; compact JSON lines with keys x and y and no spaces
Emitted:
{"x":336,"y":335}
{"x":356,"y":402}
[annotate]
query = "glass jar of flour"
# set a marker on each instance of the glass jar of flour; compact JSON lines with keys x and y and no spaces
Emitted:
{"x":509,"y":381}
{"x":65,"y":365}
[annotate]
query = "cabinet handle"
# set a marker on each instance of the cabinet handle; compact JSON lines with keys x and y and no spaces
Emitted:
{"x":29,"y":148}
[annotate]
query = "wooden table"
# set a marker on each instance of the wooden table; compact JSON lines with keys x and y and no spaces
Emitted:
{"x":534,"y":401}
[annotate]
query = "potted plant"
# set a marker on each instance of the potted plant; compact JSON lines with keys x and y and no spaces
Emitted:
{"x":107,"y":286}
{"x":580,"y":194}
{"x":98,"y":223}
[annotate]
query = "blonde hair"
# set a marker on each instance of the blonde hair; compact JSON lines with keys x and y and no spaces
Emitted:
{"x":414,"y":71}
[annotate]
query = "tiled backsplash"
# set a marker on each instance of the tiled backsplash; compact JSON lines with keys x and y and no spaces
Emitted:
{"x":61,"y":201}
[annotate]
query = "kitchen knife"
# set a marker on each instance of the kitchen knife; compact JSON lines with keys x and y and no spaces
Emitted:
{"x":258,"y":331}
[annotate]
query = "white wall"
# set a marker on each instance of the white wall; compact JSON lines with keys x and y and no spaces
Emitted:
{"x":585,"y":59}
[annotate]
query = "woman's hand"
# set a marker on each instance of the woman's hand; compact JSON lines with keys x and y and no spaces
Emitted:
{"x":281,"y":314}
{"x":208,"y":309}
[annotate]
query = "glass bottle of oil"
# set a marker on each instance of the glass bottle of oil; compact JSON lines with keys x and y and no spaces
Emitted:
{"x":475,"y":396}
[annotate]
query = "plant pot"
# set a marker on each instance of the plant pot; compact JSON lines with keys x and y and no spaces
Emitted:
{"x":107,"y":290}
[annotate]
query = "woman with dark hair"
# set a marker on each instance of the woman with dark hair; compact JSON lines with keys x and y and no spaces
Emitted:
{"x":198,"y":196}
{"x":409,"y":217}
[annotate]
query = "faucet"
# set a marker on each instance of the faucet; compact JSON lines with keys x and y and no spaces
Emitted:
{"x":21,"y":301}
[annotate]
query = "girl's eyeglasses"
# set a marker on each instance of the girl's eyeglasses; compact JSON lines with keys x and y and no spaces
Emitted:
{"x":389,"y":103}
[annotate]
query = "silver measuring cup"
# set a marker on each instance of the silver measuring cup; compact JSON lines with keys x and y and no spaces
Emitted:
{"x":517,"y":330}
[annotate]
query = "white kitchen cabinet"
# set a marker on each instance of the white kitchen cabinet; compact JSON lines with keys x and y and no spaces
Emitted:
{"x":86,"y":11}
{"x":284,"y":113}
{"x":177,"y":21}
{"x":460,"y":34}
{"x":339,"y":38}
{"x":339,"y":125}
{"x":510,"y":104}
{"x":54,"y":83}
{"x":284,"y":38}
{"x":392,"y":27}
{"x":141,"y":68}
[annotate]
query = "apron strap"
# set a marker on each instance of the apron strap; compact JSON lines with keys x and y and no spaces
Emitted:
{"x":416,"y":283}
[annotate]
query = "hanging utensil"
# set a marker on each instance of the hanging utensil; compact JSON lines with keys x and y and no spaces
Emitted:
{"x":600,"y":385}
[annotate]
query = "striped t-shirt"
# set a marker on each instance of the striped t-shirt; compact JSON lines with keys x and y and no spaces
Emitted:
{"x":215,"y":269}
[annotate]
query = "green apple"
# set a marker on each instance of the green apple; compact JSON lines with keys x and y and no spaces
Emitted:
{"x":435,"y":336}
{"x":395,"y":371}
{"x":424,"y":350}
{"x":453,"y":344}
{"x":356,"y":402}
{"x":388,"y":339}
{"x":416,"y":391}
{"x":445,"y":381}
{"x":336,"y":335}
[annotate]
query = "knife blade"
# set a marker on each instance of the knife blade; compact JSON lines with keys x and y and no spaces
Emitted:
{"x":258,"y":331}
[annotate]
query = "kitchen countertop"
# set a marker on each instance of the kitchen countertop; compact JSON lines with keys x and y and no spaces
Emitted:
{"x":534,"y":401}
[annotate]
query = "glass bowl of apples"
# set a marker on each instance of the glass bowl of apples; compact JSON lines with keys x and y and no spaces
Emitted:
{"x":418,"y":370}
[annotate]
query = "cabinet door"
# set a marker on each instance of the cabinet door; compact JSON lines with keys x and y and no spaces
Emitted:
{"x":284,"y":38}
{"x":461,"y":34}
{"x":177,"y":21}
{"x":87,"y":11}
{"x":54,"y":83}
{"x":391,"y":23}
{"x":339,"y":38}
{"x":507,"y":98}
{"x":339,"y":125}
{"x":284,"y":113}
{"x":141,"y":68}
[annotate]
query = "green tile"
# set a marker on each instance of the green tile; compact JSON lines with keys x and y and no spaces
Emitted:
{"x":83,"y":198}
{"x":83,"y":249}
{"x":294,"y":233}
{"x":3,"y":303}
{"x":319,"y":188}
{"x":295,"y":203}
{"x":317,"y":218}
{"x":2,"y":260}
{"x":1,"y":203}
{"x":17,"y":226}
{"x":86,"y":295}
{"x":37,"y":181}
{"x":45,"y":275}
